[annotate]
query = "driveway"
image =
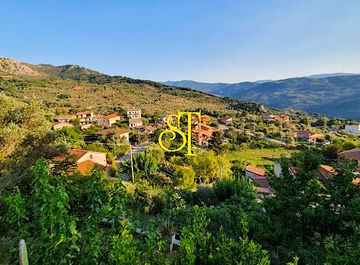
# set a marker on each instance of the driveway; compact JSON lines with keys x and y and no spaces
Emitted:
{"x":136,"y":149}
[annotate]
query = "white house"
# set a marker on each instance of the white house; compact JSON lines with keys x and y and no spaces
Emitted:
{"x":84,"y":155}
{"x":134,"y":113}
{"x":85,"y":117}
{"x":84,"y":160}
{"x":135,"y":122}
{"x":353,"y":128}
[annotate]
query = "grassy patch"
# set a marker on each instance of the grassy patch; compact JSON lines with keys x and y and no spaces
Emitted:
{"x":259,"y":157}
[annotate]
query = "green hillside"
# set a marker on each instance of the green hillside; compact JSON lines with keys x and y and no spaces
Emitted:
{"x":71,"y":88}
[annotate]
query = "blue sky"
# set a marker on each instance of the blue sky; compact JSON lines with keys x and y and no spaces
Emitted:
{"x":208,"y":40}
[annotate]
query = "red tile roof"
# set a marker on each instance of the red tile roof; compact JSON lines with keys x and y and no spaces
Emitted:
{"x":261,"y":181}
{"x":85,"y":166}
{"x":327,"y":168}
{"x":255,"y":170}
{"x":205,"y":118}
{"x":353,"y":154}
{"x":71,"y":155}
{"x":83,"y":112}
{"x":77,"y":153}
{"x":111,"y":116}
{"x":326,"y":171}
{"x":66,"y":116}
{"x":356,"y":181}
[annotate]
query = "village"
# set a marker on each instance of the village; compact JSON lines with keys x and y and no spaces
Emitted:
{"x":119,"y":129}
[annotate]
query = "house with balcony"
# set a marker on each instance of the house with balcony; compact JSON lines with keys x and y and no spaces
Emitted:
{"x":65,"y":118}
{"x":133,"y":113}
{"x":85,"y":117}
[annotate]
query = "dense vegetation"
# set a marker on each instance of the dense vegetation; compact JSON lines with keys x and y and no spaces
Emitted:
{"x":205,"y":201}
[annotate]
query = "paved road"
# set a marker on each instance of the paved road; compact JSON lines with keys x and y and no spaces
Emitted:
{"x":136,"y":149}
{"x":267,"y":138}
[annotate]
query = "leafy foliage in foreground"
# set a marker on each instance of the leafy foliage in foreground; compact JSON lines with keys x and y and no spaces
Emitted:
{"x":82,"y":220}
{"x":317,"y":221}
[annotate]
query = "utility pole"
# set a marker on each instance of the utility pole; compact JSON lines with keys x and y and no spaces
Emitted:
{"x":132,"y":165}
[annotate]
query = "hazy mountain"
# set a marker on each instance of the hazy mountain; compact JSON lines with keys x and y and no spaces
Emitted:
{"x":329,"y":75}
{"x":335,"y":94}
{"x":196,"y":85}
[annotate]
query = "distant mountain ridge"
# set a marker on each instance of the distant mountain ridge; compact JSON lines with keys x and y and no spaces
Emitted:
{"x":10,"y":67}
{"x":196,"y":85}
{"x":331,"y":94}
{"x":336,"y":94}
{"x":68,"y":87}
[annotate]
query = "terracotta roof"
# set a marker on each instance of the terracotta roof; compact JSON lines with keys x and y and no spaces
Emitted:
{"x":351,"y":154}
{"x":112,"y":131}
{"x":261,"y":181}
{"x":84,"y":112}
{"x":76,"y":153}
{"x":204,"y":118}
{"x":326,"y":171}
{"x":85,"y":166}
{"x":356,"y":181}
{"x":327,"y":168}
{"x":111,"y":116}
{"x":65,"y":116}
{"x":255,"y":170}
{"x":73,"y":155}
